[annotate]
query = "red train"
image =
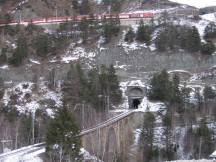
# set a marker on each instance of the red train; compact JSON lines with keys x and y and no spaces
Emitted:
{"x":82,"y":17}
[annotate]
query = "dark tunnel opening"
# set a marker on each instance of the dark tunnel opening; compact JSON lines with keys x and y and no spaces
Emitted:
{"x":135,"y":103}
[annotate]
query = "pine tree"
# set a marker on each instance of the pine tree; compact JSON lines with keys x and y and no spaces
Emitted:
{"x":193,"y":40}
{"x":113,"y":86}
{"x":208,"y":48}
{"x":167,"y":136}
{"x":198,"y":97}
{"x":160,"y":87}
{"x":85,"y":7}
{"x":144,"y":33}
{"x":113,"y":5}
{"x":176,"y":97}
{"x":84,"y":27}
{"x":42,"y":45}
{"x":62,"y":140}
{"x":130,"y":35}
{"x":172,"y":35}
{"x":185,"y":92}
{"x":182,"y":36}
{"x":208,"y":93}
{"x":20,"y":52}
{"x":94,"y":89}
{"x":73,"y":87}
{"x":147,"y":137}
{"x":111,"y":28}
{"x":51,"y":79}
{"x":204,"y":145}
{"x":2,"y":88}
{"x":161,"y":42}
{"x":75,"y":4}
{"x":3,"y":56}
{"x":210,"y":31}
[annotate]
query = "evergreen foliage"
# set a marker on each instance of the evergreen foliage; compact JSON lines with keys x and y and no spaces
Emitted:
{"x":3,"y":56}
{"x":167,"y":137}
{"x":161,"y":42}
{"x":144,"y":33}
{"x":93,"y":88}
{"x":174,"y":37}
{"x":208,"y":93}
{"x":26,"y":121}
{"x":42,"y":45}
{"x":62,"y":140}
{"x":208,"y":48}
{"x":75,"y":4}
{"x":204,"y":144}
{"x":165,"y":89}
{"x":74,"y":86}
{"x":85,"y":7}
{"x":113,"y":5}
{"x":210,"y":31}
{"x":147,"y":137}
{"x":161,"y":87}
{"x":20,"y":52}
{"x":111,"y":28}
{"x":130,"y":35}
{"x":176,"y":94}
{"x":193,"y":41}
{"x":84,"y":27}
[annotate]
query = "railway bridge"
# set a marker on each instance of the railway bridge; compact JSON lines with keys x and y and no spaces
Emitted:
{"x":113,"y":138}
{"x":107,"y":140}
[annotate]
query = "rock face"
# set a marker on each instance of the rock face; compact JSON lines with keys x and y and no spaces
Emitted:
{"x":129,"y":63}
{"x":143,"y":60}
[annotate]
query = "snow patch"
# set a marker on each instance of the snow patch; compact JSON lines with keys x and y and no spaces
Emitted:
{"x":209,"y":17}
{"x":4,"y":67}
{"x":75,"y":53}
{"x":34,"y":61}
{"x":25,"y":99}
{"x":196,"y":3}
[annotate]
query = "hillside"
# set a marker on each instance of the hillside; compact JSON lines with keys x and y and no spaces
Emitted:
{"x":84,"y":67}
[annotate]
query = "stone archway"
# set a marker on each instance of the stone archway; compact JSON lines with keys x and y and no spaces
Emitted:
{"x":135,"y":96}
{"x":111,"y":148}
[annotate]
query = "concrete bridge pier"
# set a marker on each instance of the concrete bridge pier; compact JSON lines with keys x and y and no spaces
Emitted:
{"x":113,"y":139}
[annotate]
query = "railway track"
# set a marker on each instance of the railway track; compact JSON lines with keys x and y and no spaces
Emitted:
{"x":106,"y":123}
{"x":22,"y":151}
{"x":34,"y":148}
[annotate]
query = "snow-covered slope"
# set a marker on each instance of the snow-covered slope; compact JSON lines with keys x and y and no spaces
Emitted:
{"x":209,"y":17}
{"x":197,"y":3}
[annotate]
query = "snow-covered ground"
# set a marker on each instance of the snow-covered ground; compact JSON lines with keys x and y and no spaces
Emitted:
{"x":26,"y":99}
{"x":209,"y":17}
{"x":197,"y":3}
{"x":88,"y":157}
{"x":75,"y":53}
{"x":193,"y":161}
{"x":25,"y":154}
{"x":32,"y":154}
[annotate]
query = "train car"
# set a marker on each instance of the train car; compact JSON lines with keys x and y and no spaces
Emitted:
{"x":51,"y":19}
{"x":83,"y":17}
{"x":135,"y":15}
{"x":109,"y":16}
{"x":2,"y":21}
{"x":38,"y":20}
{"x":148,"y":14}
{"x":124,"y":16}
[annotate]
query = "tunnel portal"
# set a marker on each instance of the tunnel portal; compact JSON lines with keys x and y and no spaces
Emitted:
{"x":135,"y":93}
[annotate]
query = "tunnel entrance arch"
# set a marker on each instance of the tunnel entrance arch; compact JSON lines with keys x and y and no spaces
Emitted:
{"x":135,"y":93}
